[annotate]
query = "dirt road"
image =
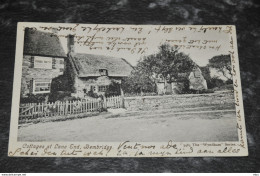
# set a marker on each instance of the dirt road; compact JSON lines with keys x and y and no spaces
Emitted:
{"x":205,"y":124}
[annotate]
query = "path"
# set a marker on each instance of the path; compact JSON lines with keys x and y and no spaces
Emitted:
{"x":183,"y":124}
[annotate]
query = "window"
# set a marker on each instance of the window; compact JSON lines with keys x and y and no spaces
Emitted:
{"x":41,"y":86}
{"x":103,"y":72}
{"x":102,"y":88}
{"x":93,"y":88}
{"x":42,"y":62}
{"x":53,"y":63}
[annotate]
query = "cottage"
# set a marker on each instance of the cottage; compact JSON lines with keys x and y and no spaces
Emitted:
{"x":173,"y":87}
{"x":88,"y":72}
{"x":194,"y":79}
{"x":43,"y":60}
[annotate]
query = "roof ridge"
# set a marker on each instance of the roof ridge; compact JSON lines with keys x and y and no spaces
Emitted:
{"x":37,"y":30}
{"x":90,"y":65}
{"x":97,"y":55}
{"x":42,"y":43}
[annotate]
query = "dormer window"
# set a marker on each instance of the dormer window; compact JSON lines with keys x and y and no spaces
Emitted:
{"x":103,"y":72}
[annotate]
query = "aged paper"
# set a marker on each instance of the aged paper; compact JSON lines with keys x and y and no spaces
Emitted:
{"x":94,"y":90}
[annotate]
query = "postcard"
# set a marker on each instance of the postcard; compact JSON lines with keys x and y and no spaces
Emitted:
{"x":98,"y":90}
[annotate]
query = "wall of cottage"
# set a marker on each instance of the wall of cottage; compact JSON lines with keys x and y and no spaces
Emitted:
{"x":30,"y":73}
{"x":83,"y":85}
{"x":170,"y":101}
{"x":80,"y":86}
{"x":171,"y":88}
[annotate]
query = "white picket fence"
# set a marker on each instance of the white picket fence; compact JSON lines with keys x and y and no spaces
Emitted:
{"x":114,"y":102}
{"x":35,"y":110}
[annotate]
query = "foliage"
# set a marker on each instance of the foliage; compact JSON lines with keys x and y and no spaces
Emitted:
{"x":69,"y":98}
{"x":60,"y":83}
{"x":138,"y":82}
{"x":31,"y":98}
{"x":185,"y":87}
{"x":59,"y":96}
{"x":92,"y":94}
{"x":229,"y":81}
{"x":113,"y":89}
{"x":213,"y":82}
{"x":167,"y":64}
{"x":222,"y":64}
{"x":60,"y":89}
{"x":216,"y":82}
{"x":206,"y":73}
{"x":224,"y":87}
{"x":204,"y":91}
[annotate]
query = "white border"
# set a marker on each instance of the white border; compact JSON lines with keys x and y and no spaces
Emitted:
{"x":239,"y":147}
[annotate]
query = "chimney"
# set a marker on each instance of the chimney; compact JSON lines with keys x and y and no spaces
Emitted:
{"x":70,"y":44}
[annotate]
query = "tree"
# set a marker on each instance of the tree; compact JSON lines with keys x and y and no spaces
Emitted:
{"x":206,"y":74}
{"x":113,"y":89}
{"x":222,"y":64}
{"x":139,"y":81}
{"x":167,"y":64}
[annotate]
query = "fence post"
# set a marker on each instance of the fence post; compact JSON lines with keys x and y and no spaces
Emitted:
{"x":118,"y":102}
{"x":69,"y":107}
{"x":58,"y":108}
{"x":33,"y":111}
{"x":81,"y":105}
{"x":105,"y":103}
{"x":66,"y":108}
{"x":87,"y":105}
{"x":52,"y":109}
{"x":122,"y":101}
{"x":43,"y":106}
{"x":91,"y":105}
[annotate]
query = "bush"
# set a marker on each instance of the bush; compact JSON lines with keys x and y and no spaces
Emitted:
{"x":38,"y":98}
{"x":224,"y":87}
{"x":69,"y":98}
{"x":59,"y":96}
{"x":215,"y":82}
{"x":113,"y":89}
{"x":168,"y":93}
{"x":206,"y":91}
{"x":92,"y":94}
{"x":187,"y":91}
{"x":229,"y":81}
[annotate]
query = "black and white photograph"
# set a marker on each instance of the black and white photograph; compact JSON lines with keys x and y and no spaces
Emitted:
{"x":138,"y":83}
{"x":129,"y":86}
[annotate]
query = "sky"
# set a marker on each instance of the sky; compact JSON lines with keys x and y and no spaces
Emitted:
{"x":154,"y":38}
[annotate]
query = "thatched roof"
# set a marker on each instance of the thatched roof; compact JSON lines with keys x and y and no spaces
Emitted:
{"x":42,"y":44}
{"x":88,"y":65}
